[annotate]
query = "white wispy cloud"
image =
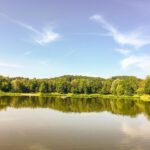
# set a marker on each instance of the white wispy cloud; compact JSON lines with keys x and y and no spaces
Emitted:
{"x":133,"y":38}
{"x":91,"y":33}
{"x":28,"y":27}
{"x":142,"y":62}
{"x":3,"y":64}
{"x":42,"y":37}
{"x":46,"y":36}
{"x":123,"y":51}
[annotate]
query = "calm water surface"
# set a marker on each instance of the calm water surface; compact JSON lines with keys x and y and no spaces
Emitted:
{"x":32,"y":123}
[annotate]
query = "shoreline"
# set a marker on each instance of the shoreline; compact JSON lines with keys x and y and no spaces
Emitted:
{"x":70,"y":95}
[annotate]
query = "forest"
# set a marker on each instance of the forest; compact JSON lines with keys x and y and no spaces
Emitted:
{"x":118,"y":85}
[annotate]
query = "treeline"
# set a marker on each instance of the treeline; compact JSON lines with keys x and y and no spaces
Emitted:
{"x":118,"y":85}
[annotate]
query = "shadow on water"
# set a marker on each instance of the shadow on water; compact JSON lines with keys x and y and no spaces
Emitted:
{"x":116,"y":106}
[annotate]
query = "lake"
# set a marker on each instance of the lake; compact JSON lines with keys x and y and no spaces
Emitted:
{"x":41,"y":123}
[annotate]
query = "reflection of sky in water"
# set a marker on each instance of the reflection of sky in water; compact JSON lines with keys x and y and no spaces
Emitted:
{"x":45,"y":129}
{"x":137,"y":131}
{"x":138,"y":128}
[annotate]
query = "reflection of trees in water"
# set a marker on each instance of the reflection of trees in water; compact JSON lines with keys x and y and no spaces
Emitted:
{"x":119,"y":106}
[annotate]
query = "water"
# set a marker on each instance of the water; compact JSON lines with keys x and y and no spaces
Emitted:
{"x":32,"y":123}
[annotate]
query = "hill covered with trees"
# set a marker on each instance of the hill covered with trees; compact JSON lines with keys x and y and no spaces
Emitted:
{"x":118,"y":85}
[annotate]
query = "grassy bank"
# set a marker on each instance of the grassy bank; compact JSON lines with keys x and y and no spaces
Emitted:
{"x":63,"y":96}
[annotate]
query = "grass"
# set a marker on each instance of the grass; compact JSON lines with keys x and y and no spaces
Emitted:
{"x":9,"y":94}
{"x":18,"y":94}
{"x":145,"y":97}
{"x":135,"y":97}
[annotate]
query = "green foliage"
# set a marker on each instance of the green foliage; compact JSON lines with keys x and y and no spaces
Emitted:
{"x":43,"y":88}
{"x":119,"y":85}
{"x":127,"y":86}
{"x":62,"y":86}
{"x":141,"y":89}
{"x":120,"y":90}
{"x":106,"y":87}
{"x":114,"y":87}
{"x":147,"y":85}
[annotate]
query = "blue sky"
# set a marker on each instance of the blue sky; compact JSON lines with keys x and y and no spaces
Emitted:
{"x":48,"y":38}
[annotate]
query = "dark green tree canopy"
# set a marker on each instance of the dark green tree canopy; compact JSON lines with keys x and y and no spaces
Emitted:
{"x":118,"y":85}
